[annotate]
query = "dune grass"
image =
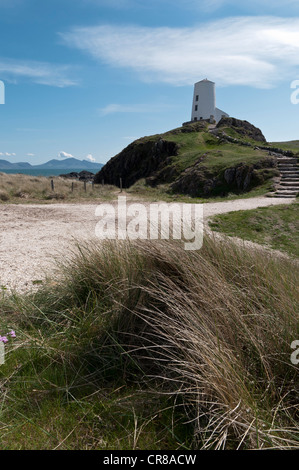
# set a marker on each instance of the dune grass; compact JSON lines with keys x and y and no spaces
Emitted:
{"x":22,"y":189}
{"x":148,"y":346}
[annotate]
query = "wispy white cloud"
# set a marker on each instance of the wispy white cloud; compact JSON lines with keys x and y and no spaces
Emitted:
{"x":90,"y":158}
{"x":7,"y":154}
{"x":30,"y":154}
{"x":253,"y":51}
{"x":39,"y":72}
{"x":65,"y":155}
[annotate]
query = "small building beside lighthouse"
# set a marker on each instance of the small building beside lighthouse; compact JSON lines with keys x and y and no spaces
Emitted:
{"x":204,"y":102}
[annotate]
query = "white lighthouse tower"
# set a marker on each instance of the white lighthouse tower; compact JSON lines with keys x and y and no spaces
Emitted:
{"x":204,"y":102}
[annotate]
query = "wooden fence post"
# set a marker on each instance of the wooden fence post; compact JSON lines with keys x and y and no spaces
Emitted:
{"x":52,"y":185}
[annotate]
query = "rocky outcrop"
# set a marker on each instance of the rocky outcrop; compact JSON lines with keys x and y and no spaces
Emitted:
{"x":243,"y":128}
{"x":81,"y":176}
{"x":139,"y":160}
{"x":199,"y":181}
{"x":277,"y":152}
{"x":195,"y":181}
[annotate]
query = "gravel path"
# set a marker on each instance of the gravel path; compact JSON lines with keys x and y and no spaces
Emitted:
{"x":33,"y":235}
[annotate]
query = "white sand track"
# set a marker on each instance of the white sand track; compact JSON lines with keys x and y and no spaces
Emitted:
{"x":33,"y":235}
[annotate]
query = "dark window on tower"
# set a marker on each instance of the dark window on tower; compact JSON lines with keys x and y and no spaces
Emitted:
{"x":196,"y":99}
{"x":196,"y":107}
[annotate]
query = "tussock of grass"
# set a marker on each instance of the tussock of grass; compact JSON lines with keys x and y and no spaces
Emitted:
{"x":207,"y":331}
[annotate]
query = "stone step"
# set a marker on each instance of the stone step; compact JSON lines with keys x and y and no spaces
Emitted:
{"x":291,"y":165}
{"x":290,"y":180}
{"x":287,"y":160}
{"x":290,"y":184}
{"x":288,"y":190}
{"x":289,"y":168}
{"x":287,"y":193}
{"x":293,"y":181}
{"x":283,"y":196}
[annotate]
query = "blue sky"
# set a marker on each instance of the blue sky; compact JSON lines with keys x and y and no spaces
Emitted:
{"x":86,"y":77}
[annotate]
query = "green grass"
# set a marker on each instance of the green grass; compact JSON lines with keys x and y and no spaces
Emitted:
{"x":53,"y":396}
{"x":149,"y":346}
{"x":218,"y":156}
{"x":292,"y":145}
{"x":277,"y":227}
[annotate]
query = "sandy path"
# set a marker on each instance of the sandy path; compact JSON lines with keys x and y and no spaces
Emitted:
{"x":31,"y":236}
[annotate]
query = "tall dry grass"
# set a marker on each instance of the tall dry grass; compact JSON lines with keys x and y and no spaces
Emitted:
{"x":21,"y":188}
{"x":211,"y":328}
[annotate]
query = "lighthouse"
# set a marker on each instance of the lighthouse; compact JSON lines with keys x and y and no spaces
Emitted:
{"x":204,"y":102}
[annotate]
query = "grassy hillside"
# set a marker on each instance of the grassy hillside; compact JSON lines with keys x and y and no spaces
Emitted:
{"x":219,"y":155}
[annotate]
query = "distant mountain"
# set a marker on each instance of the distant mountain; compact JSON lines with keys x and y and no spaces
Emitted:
{"x":66,"y":164}
{"x":5,"y":165}
{"x":70,"y":164}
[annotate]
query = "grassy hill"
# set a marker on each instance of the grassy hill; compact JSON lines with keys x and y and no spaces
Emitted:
{"x":198,"y":160}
